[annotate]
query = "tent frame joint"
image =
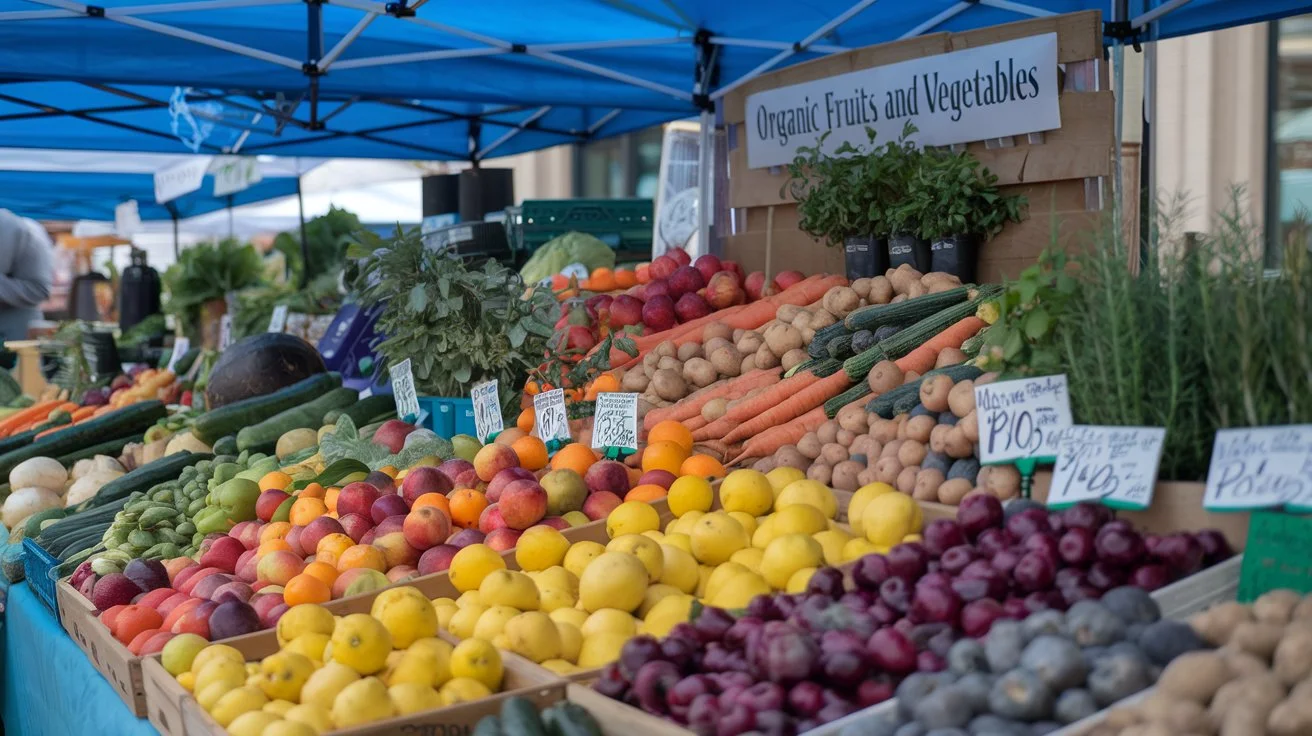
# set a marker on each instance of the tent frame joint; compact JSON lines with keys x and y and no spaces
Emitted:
{"x":1122,"y":31}
{"x":519,"y":48}
{"x":399,"y":9}
{"x":95,"y":11}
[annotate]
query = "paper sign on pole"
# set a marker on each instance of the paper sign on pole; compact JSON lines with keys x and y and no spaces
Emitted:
{"x":403,"y":390}
{"x":615,"y":423}
{"x":1114,"y":465}
{"x":551,"y":422}
{"x":1022,"y":420}
{"x":182,"y":178}
{"x":278,"y":322}
{"x":992,"y":91}
{"x":225,"y":331}
{"x":487,"y":410}
{"x":127,"y":219}
{"x":1260,"y":467}
{"x":180,"y":347}
{"x":233,"y":174}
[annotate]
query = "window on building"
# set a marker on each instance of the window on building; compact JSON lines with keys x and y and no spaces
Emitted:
{"x":619,"y":167}
{"x":1290,"y":156}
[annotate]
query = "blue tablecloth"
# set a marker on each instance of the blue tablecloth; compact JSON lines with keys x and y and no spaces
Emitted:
{"x":50,"y":686}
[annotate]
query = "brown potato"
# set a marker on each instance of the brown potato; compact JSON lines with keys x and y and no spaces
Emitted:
{"x":667,"y":349}
{"x":920,"y":428}
{"x":928,"y":481}
{"x":667,"y":363}
{"x":766,"y":358}
{"x":727,"y":361}
{"x":793,"y":358}
{"x":906,"y":479}
{"x":1292,"y":717}
{"x":956,"y":445}
{"x":635,"y":381}
{"x":891,"y":448}
{"x":790,"y":456}
{"x":887,"y":470}
{"x":884,"y":430}
{"x":650,"y":362}
{"x":938,"y":438}
{"x":1293,"y":657}
{"x":1242,"y":663}
{"x":821,"y":318}
{"x":846,"y":475}
{"x":787,"y":313}
{"x":844,"y":437}
{"x":699,"y":372}
{"x":828,"y":432}
{"x":810,"y":445}
{"x":1002,"y":481}
{"x":690,"y":350}
{"x":952,"y":491}
{"x":1195,"y":676}
{"x":961,"y":399}
{"x":1303,"y":611}
{"x":862,"y":287}
{"x":833,"y":453}
{"x":866,"y":445}
{"x":969,"y":426}
{"x":881,"y":290}
{"x":714,"y":409}
{"x":820,"y":472}
{"x":853,"y":419}
{"x":840,"y":301}
{"x":1216,"y":624}
{"x":884,"y":376}
{"x":1258,"y":639}
{"x":782,"y":338}
{"x":934,"y":392}
{"x":716,"y":330}
{"x":764,"y":465}
{"x":749,"y":364}
{"x":750,"y":342}
{"x":1276,"y":607}
{"x":669,"y":385}
{"x":866,"y":477}
{"x":911,"y":452}
{"x":1260,"y":692}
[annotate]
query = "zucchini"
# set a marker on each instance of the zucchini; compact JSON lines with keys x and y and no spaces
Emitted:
{"x":368,"y":409}
{"x":15,"y":441}
{"x":226,"y":445}
{"x":146,"y":477}
{"x":570,"y":719}
{"x":819,"y":347}
{"x":905,"y":312}
{"x":235,"y":416}
{"x":840,"y":348}
{"x":520,"y":717}
{"x":185,"y":362}
{"x":32,"y":526}
{"x":887,"y":404}
{"x":307,"y":416}
{"x":858,"y":366}
{"x":860,"y":389}
{"x":130,"y":420}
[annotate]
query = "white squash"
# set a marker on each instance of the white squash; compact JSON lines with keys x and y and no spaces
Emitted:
{"x":24,"y":502}
{"x":87,"y":486}
{"x":39,"y":472}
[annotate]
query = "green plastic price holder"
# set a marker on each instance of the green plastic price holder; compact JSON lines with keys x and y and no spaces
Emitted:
{"x":493,"y":437}
{"x":1027,"y":467}
{"x":618,"y":453}
{"x":553,"y":446}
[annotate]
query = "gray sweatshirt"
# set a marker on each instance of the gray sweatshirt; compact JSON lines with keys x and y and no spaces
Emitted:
{"x":26,"y":270}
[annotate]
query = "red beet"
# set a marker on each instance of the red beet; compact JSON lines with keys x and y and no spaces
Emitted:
{"x":874,"y":691}
{"x":993,"y":541}
{"x":827,"y":581}
{"x":1215,"y":546}
{"x":789,"y":658}
{"x":928,"y":661}
{"x":744,"y":634}
{"x":625,"y":310}
{"x":892,"y":651}
{"x":655,"y":287}
{"x":762,"y":696}
{"x":637,"y":652}
{"x":1005,"y":561}
{"x":708,"y":265}
{"x":712,"y":623}
{"x":1089,"y":516}
{"x":611,"y":683}
{"x":955,"y":559}
{"x":1104,"y":575}
{"x":680,"y":697}
{"x":662,"y":266}
{"x":896,"y":594}
{"x":1182,"y":553}
{"x":651,"y":684}
{"x":979,"y":512}
{"x":908,"y":560}
{"x":977,"y":617}
{"x":806,"y":699}
{"x":681,"y":652}
{"x":1028,"y":522}
{"x":1150,"y":577}
{"x":1044,"y":543}
{"x":1119,"y":547}
{"x":938,"y":578}
{"x":704,"y":712}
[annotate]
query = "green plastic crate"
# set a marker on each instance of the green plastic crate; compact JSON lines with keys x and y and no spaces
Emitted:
{"x":623,"y":224}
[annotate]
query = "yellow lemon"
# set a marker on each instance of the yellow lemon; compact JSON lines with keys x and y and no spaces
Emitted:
{"x":252,"y":723}
{"x":493,"y":622}
{"x":181,"y":651}
{"x":473,"y":563}
{"x":237,"y":701}
{"x":285,"y":674}
{"x":765,"y":532}
{"x":678,"y":568}
{"x":554,"y":599}
{"x":857,"y":505}
{"x":669,"y":612}
{"x":278,"y":707}
{"x":609,"y":620}
{"x":655,"y":594}
{"x":690,"y":493}
{"x":683,"y":524}
{"x":781,"y":476}
{"x":469,"y":598}
{"x":560,"y":666}
{"x":613,"y":580}
{"x":809,"y":492}
{"x":644,"y":549}
{"x":572,"y":616}
{"x":363,"y":701}
{"x":187,"y":681}
{"x":313,"y":716}
{"x":632,"y":517}
{"x":406,"y":614}
{"x":747,"y":520}
{"x":445,"y":608}
{"x":427,"y":661}
{"x":306,"y":618}
{"x":721,"y":574}
{"x":748,"y":491}
{"x":207,"y":696}
{"x":463,"y":690}
{"x":362,"y":642}
{"x":559,"y":578}
{"x":678,"y":539}
{"x":831,"y":543}
{"x":571,"y":641}
{"x":413,"y":697}
{"x":788,"y":554}
{"x":509,"y":588}
{"x":226,"y":671}
{"x":739,"y":590}
{"x":749,"y":558}
{"x":654,"y":536}
{"x":477,"y":660}
{"x":322,"y":687}
{"x":580,"y":555}
{"x":858,"y":547}
{"x":311,"y":645}
{"x":540,"y":547}
{"x":216,"y":651}
{"x":798,"y":580}
{"x":289,"y":728}
{"x":715,"y":537}
{"x":534,"y":636}
{"x":463,"y":622}
{"x":601,"y":649}
{"x":799,"y":519}
{"x":889,"y":517}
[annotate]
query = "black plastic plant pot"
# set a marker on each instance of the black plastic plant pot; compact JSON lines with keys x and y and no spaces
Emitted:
{"x":956,"y":254}
{"x":865,"y":256}
{"x":910,"y":250}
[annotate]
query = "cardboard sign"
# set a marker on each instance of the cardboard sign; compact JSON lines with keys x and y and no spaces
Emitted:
{"x":1022,"y":420}
{"x":403,"y":390}
{"x":1114,"y":465}
{"x":1278,"y":555}
{"x":278,"y":322}
{"x":1260,"y":467}
{"x":225,"y":331}
{"x":487,"y":410}
{"x":551,"y":422}
{"x":992,"y":91}
{"x":180,"y":347}
{"x":615,"y":423}
{"x":182,"y":178}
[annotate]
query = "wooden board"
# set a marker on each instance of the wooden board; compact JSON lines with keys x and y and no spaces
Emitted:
{"x":112,"y":660}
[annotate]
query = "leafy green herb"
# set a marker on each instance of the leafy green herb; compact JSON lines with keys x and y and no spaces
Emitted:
{"x":327,"y":238}
{"x":205,"y":272}
{"x":574,"y":367}
{"x":950,"y":193}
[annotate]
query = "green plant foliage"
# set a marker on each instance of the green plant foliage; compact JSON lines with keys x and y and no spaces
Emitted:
{"x":208,"y":271}
{"x":950,"y":193}
{"x":459,"y":325}
{"x":255,"y":305}
{"x":327,"y":238}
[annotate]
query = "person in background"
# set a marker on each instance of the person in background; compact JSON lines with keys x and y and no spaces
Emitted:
{"x":26,"y":272}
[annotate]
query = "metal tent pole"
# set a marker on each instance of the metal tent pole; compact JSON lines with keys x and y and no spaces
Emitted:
{"x":704,"y":163}
{"x":305,"y":244}
{"x":176,"y":250}
{"x":232,"y":228}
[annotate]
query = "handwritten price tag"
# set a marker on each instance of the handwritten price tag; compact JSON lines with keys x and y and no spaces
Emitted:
{"x":551,"y":422}
{"x":615,"y":423}
{"x":1260,"y":467}
{"x":225,"y":331}
{"x":1114,"y":465}
{"x":278,"y":322}
{"x":403,"y":389}
{"x":487,"y":410}
{"x":1022,"y":420}
{"x":180,"y":347}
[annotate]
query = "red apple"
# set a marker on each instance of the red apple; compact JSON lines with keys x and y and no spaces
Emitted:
{"x":354,"y":526}
{"x":356,"y":498}
{"x":786,"y":279}
{"x":437,"y":559}
{"x":423,"y":480}
{"x":503,"y":539}
{"x":392,"y":434}
{"x":268,"y":503}
{"x":754,"y":284}
{"x":426,"y":527}
{"x":320,"y":528}
{"x":505,"y":478}
{"x":491,"y":519}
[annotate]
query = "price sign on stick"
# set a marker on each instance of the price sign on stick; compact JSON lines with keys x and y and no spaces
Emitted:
{"x":1114,"y":465}
{"x":1022,"y":420}
{"x":278,"y":322}
{"x":1260,"y":467}
{"x":550,"y":422}
{"x":403,"y":389}
{"x":225,"y":331}
{"x":616,"y":421}
{"x":487,"y":410}
{"x":180,"y":347}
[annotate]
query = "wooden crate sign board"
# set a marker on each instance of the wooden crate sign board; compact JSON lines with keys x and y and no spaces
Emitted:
{"x":1279,"y":555}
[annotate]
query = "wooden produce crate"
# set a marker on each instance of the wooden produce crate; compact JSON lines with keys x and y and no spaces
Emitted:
{"x":174,"y":712}
{"x":110,"y":658}
{"x":617,"y":719}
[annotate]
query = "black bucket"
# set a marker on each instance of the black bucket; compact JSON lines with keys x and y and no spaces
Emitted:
{"x":865,"y":256}
{"x":910,"y":250}
{"x":957,"y":255}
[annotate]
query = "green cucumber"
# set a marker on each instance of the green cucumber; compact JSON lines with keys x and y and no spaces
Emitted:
{"x":570,"y":719}
{"x":488,"y":726}
{"x":32,"y":526}
{"x":308,"y":416}
{"x":367,"y":409}
{"x":226,"y":420}
{"x":226,"y":445}
{"x":146,"y":477}
{"x":520,"y":717}
{"x":130,"y":420}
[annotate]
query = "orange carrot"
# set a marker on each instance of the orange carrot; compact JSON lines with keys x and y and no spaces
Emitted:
{"x":695,"y":423}
{"x":714,"y":447}
{"x":790,"y":433}
{"x":922,"y":359}
{"x":83,"y":412}
{"x":691,"y":406}
{"x":776,"y":410}
{"x":11,"y":423}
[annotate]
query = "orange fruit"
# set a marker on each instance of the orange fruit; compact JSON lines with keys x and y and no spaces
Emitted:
{"x":532,"y":388}
{"x":306,"y":510}
{"x":133,"y":620}
{"x":671,"y":431}
{"x":643,"y":272}
{"x":322,"y":570}
{"x":467,"y":505}
{"x":532,"y":452}
{"x":274,"y":530}
{"x":432,"y":499}
{"x":508,"y":436}
{"x":702,"y":466}
{"x":330,"y":499}
{"x":271,"y":546}
{"x":331,"y":547}
{"x":624,"y":278}
{"x":362,"y":555}
{"x":647,"y":492}
{"x":526,"y":419}
{"x":574,"y":456}
{"x":305,"y":588}
{"x":559,"y":281}
{"x":275,"y":480}
{"x":605,"y":383}
{"x":663,"y":455}
{"x":314,"y":490}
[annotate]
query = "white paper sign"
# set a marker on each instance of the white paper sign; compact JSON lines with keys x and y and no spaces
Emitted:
{"x":550,"y":420}
{"x":1022,"y":419}
{"x":180,"y":347}
{"x":233,"y":174}
{"x":278,"y":322}
{"x":182,"y":178}
{"x":127,"y":218}
{"x":403,"y":390}
{"x":487,"y":410}
{"x":1002,"y":89}
{"x":615,"y":423}
{"x":1114,"y":465}
{"x":1260,"y":467}
{"x":225,"y":331}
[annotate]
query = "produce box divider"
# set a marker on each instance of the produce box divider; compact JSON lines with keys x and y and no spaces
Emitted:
{"x":38,"y":565}
{"x":110,"y":658}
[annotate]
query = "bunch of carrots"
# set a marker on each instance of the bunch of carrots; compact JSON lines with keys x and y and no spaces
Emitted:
{"x":38,"y":413}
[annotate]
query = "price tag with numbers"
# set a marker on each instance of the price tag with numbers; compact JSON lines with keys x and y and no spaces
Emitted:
{"x":615,"y":423}
{"x":1261,"y":467}
{"x":487,"y":410}
{"x":1022,"y":420}
{"x":1114,"y":465}
{"x":225,"y":331}
{"x":403,"y":390}
{"x":180,"y":347}
{"x":550,"y":422}
{"x":278,"y":322}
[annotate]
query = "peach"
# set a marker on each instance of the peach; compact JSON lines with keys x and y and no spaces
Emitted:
{"x":503,"y":539}
{"x":453,"y":469}
{"x":396,"y":551}
{"x":246,"y":566}
{"x":469,"y":478}
{"x":505,"y":478}
{"x":382,"y":481}
{"x":388,"y":505}
{"x":600,"y":504}
{"x":343,"y":581}
{"x":265,"y":602}
{"x":177,"y":565}
{"x":362,"y":555}
{"x":493,"y":459}
{"x":425,"y":527}
{"x":279,"y":566}
{"x":233,"y":591}
{"x":209,"y":584}
{"x":178,"y":611}
{"x":392,"y":434}
{"x":425,"y":479}
{"x":566,"y":491}
{"x":355,"y":526}
{"x":608,"y":475}
{"x":356,"y":498}
{"x":293,"y":539}
{"x":318,"y":529}
{"x":437,"y":559}
{"x":153,"y":598}
{"x":168,"y":604}
{"x":249,"y":535}
{"x":271,"y":620}
{"x":369,"y":536}
{"x":155,"y":644}
{"x":491,"y":519}
{"x":662,"y":478}
{"x":223,"y":554}
{"x":368,"y":582}
{"x":196,"y":620}
{"x":183,"y":583}
{"x":523,"y":504}
{"x":401,"y":573}
{"x":268,"y":502}
{"x":555,"y":522}
{"x":465,"y":537}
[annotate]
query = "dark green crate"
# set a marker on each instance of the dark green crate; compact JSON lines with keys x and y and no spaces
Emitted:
{"x":623,"y":224}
